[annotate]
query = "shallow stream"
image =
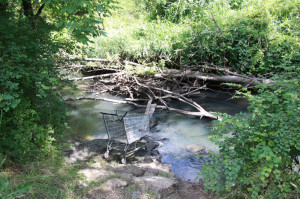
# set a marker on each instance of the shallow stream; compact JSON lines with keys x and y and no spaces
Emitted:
{"x":183,"y":136}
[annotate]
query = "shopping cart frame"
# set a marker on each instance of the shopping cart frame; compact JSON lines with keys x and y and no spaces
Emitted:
{"x":119,"y":122}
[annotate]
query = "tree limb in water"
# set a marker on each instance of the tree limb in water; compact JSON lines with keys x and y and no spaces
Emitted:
{"x":179,"y":97}
{"x":189,"y":113}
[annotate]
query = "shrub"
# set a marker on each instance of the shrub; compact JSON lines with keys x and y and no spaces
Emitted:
{"x":174,"y":10}
{"x":32,"y":115}
{"x":261,"y":153}
{"x":260,"y":37}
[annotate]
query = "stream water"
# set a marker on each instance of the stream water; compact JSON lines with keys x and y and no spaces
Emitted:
{"x":183,"y":136}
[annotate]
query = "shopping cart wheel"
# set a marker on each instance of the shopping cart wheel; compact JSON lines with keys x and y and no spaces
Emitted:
{"x":123,"y":160}
{"x":106,"y":154}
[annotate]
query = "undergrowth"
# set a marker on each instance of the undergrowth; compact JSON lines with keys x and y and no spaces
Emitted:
{"x":261,"y":157}
{"x":252,"y":37}
{"x":131,"y":36}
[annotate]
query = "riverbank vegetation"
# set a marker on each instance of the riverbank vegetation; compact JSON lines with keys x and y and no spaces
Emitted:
{"x":32,"y":33}
{"x":250,"y":37}
{"x":256,"y":38}
{"x":253,"y":38}
{"x":261,"y":157}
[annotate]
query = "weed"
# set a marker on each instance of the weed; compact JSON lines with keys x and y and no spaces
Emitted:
{"x":151,"y":193}
{"x":132,"y":188}
{"x":165,"y":174}
{"x":111,"y":176}
{"x":46,"y":179}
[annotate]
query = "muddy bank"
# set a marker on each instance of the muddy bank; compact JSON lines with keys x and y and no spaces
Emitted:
{"x":144,"y":176}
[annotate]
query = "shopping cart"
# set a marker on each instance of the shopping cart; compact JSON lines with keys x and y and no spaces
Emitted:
{"x":127,"y":128}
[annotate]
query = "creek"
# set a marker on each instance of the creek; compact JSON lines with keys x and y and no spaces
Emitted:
{"x":183,"y":137}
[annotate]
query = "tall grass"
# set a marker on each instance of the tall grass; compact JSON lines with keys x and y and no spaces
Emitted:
{"x":131,"y":35}
{"x":50,"y":178}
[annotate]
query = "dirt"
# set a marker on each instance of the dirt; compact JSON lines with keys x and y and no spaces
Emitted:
{"x":142,"y":177}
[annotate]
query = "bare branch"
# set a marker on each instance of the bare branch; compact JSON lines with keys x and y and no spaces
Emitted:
{"x":189,"y":113}
{"x":96,"y":76}
{"x":38,"y":13}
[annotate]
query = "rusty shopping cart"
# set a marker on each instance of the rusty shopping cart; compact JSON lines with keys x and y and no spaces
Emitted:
{"x":127,"y":128}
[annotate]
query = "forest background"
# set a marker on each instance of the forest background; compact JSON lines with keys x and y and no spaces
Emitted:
{"x":258,"y":38}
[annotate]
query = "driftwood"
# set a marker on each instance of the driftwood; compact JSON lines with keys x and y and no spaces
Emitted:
{"x":89,"y":59}
{"x":129,"y":85}
{"x":103,"y":61}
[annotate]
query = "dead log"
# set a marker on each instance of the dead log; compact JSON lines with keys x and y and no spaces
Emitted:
{"x":192,"y":75}
{"x":102,"y":60}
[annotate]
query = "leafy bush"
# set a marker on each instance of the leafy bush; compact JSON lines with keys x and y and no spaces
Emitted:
{"x":261,"y":153}
{"x":7,"y":193}
{"x":174,"y":10}
{"x":31,"y":107}
{"x":31,"y":34}
{"x":259,"y":37}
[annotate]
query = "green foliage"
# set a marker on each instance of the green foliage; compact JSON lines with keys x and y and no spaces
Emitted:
{"x":30,"y":106}
{"x":174,"y":10}
{"x":252,"y":37}
{"x":31,"y":34}
{"x":131,"y":36}
{"x":259,"y":37}
{"x":260,"y":154}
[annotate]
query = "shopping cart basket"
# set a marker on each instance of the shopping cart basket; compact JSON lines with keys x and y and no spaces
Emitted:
{"x":126,"y":128}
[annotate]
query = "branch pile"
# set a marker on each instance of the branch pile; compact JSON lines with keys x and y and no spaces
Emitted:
{"x":160,"y":88}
